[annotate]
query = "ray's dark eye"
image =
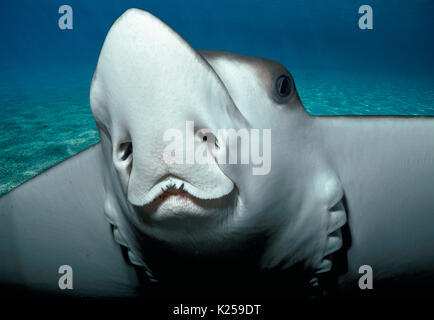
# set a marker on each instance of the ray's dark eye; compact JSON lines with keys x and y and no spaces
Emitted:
{"x":127,"y":150}
{"x":283,"y":86}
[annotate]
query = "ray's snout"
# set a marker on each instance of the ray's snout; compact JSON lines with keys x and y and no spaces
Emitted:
{"x":161,"y":85}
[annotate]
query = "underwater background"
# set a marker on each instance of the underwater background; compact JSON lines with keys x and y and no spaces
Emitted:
{"x":45,"y":72}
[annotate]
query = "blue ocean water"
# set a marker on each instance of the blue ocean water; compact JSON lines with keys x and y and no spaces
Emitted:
{"x":45,"y":72}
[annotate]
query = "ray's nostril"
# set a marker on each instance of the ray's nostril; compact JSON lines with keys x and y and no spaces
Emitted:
{"x":205,"y":138}
{"x":127,"y":150}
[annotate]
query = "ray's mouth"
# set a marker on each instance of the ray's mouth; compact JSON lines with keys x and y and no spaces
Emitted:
{"x":173,"y":191}
{"x":174,"y":187}
{"x":175,"y":197}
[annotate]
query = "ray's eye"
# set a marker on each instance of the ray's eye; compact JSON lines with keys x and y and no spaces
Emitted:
{"x":283,"y":86}
{"x":127,"y":150}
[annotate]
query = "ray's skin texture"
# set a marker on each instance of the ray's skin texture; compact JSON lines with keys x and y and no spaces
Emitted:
{"x":342,"y":191}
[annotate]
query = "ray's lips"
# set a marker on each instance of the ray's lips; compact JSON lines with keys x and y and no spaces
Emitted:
{"x":171,"y":197}
{"x":173,"y":187}
{"x":175,"y":193}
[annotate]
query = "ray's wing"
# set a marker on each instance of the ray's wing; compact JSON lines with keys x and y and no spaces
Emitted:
{"x":57,"y":219}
